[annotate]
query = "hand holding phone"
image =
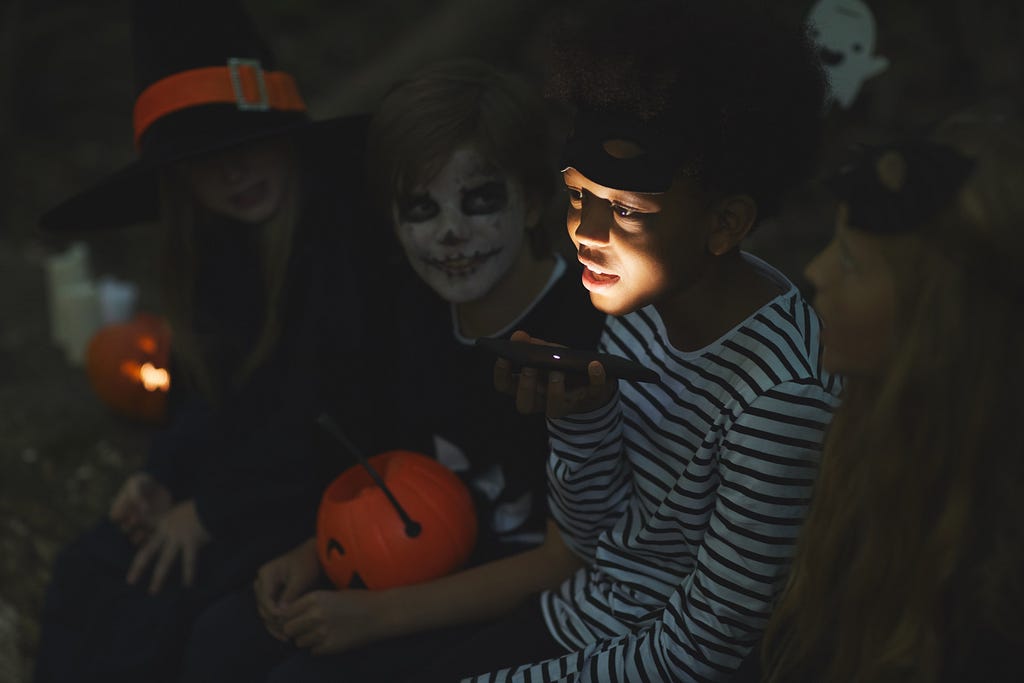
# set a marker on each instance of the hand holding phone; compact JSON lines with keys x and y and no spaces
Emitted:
{"x":529,"y":354}
{"x":549,"y":394}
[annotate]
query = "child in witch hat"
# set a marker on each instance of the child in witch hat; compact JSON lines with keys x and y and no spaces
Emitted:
{"x":271,"y":282}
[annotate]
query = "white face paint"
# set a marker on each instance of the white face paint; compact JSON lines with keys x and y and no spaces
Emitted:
{"x":463,"y":229}
{"x":845,"y":33}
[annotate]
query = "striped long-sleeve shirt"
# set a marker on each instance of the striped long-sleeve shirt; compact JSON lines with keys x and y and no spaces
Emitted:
{"x":685,"y":497}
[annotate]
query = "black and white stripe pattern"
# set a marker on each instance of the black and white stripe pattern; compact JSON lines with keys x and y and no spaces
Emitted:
{"x":687,"y":497}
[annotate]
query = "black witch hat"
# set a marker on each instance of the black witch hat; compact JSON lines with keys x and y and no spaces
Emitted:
{"x":204,"y":81}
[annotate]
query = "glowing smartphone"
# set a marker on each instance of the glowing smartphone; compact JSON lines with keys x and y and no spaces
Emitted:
{"x":525,"y":354}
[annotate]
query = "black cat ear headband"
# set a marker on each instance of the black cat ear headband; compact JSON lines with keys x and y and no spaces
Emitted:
{"x":897,"y":188}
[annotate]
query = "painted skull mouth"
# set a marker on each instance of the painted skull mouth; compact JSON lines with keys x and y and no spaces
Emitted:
{"x":461,"y":265}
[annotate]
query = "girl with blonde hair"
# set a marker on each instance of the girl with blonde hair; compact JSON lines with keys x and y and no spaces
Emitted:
{"x":910,"y":565}
{"x":269,"y":291}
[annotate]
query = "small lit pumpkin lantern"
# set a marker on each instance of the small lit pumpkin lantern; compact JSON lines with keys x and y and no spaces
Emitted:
{"x":419,"y":526}
{"x":127,"y":366}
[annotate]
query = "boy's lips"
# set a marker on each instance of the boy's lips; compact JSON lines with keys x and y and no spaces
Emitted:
{"x":595,"y":276}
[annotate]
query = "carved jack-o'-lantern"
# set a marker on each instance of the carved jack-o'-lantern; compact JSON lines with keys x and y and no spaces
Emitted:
{"x":367,"y":538}
{"x":127,"y":366}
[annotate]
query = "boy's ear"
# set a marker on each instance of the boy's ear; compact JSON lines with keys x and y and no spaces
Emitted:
{"x":734,"y":217}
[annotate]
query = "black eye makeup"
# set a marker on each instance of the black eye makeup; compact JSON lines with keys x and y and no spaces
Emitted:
{"x":417,"y":208}
{"x":490,"y":197}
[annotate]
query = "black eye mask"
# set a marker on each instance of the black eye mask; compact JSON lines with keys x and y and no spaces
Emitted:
{"x":651,"y":171}
{"x":898,"y":188}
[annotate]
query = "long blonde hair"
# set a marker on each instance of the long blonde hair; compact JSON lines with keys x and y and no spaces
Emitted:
{"x":915,"y":536}
{"x":182,"y":219}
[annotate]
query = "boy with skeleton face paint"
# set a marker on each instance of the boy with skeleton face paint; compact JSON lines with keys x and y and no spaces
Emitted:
{"x":463,"y":229}
{"x":457,"y":162}
{"x":454,"y":161}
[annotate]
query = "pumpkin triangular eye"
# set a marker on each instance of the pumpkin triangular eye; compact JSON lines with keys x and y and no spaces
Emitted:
{"x":334,"y":545}
{"x":356,"y":581}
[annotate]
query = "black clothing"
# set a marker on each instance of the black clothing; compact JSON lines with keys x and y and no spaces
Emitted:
{"x":448,"y":403}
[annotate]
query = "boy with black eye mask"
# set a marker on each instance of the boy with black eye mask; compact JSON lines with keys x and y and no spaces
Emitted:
{"x":683,"y":498}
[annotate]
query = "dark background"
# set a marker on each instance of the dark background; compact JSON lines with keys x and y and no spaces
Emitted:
{"x":65,"y":122}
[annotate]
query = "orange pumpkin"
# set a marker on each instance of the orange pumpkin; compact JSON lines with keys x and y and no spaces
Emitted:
{"x":362,"y":539}
{"x":127,"y":367}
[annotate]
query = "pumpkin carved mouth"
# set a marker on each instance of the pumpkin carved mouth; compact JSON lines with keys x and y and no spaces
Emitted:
{"x":364,"y":541}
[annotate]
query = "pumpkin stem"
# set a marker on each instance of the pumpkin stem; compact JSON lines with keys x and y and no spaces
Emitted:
{"x":412,"y":527}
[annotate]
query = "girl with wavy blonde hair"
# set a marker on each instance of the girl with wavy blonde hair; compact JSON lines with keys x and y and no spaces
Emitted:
{"x":910,"y":565}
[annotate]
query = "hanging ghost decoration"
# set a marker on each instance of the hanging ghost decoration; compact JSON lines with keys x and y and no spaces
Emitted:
{"x":844,"y":31}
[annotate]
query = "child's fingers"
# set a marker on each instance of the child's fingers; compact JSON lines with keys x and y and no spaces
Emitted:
{"x":555,"y":394}
{"x":504,"y":380}
{"x":270,"y":621}
{"x":269,"y":594}
{"x":295,"y":610}
{"x":142,"y":559}
{"x":163,"y":565}
{"x":299,"y":629}
{"x":275,"y":630}
{"x":292,"y":590}
{"x":526,"y":392}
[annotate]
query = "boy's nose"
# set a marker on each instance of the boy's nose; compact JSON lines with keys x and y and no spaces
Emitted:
{"x":450,"y":239}
{"x":456,"y":231}
{"x":592,"y":227}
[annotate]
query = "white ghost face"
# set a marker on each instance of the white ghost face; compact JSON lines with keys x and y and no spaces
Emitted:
{"x":845,"y":33}
{"x":463,"y":229}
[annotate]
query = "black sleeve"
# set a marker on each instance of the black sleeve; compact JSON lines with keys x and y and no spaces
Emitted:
{"x":178,"y":450}
{"x":276,"y":460}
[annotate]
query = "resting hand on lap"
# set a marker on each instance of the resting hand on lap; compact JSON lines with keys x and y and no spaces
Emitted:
{"x":331,"y":621}
{"x":138,"y":505}
{"x":178,"y":533}
{"x":281,"y":581}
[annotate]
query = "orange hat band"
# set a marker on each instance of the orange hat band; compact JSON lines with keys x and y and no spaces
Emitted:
{"x":242,"y":82}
